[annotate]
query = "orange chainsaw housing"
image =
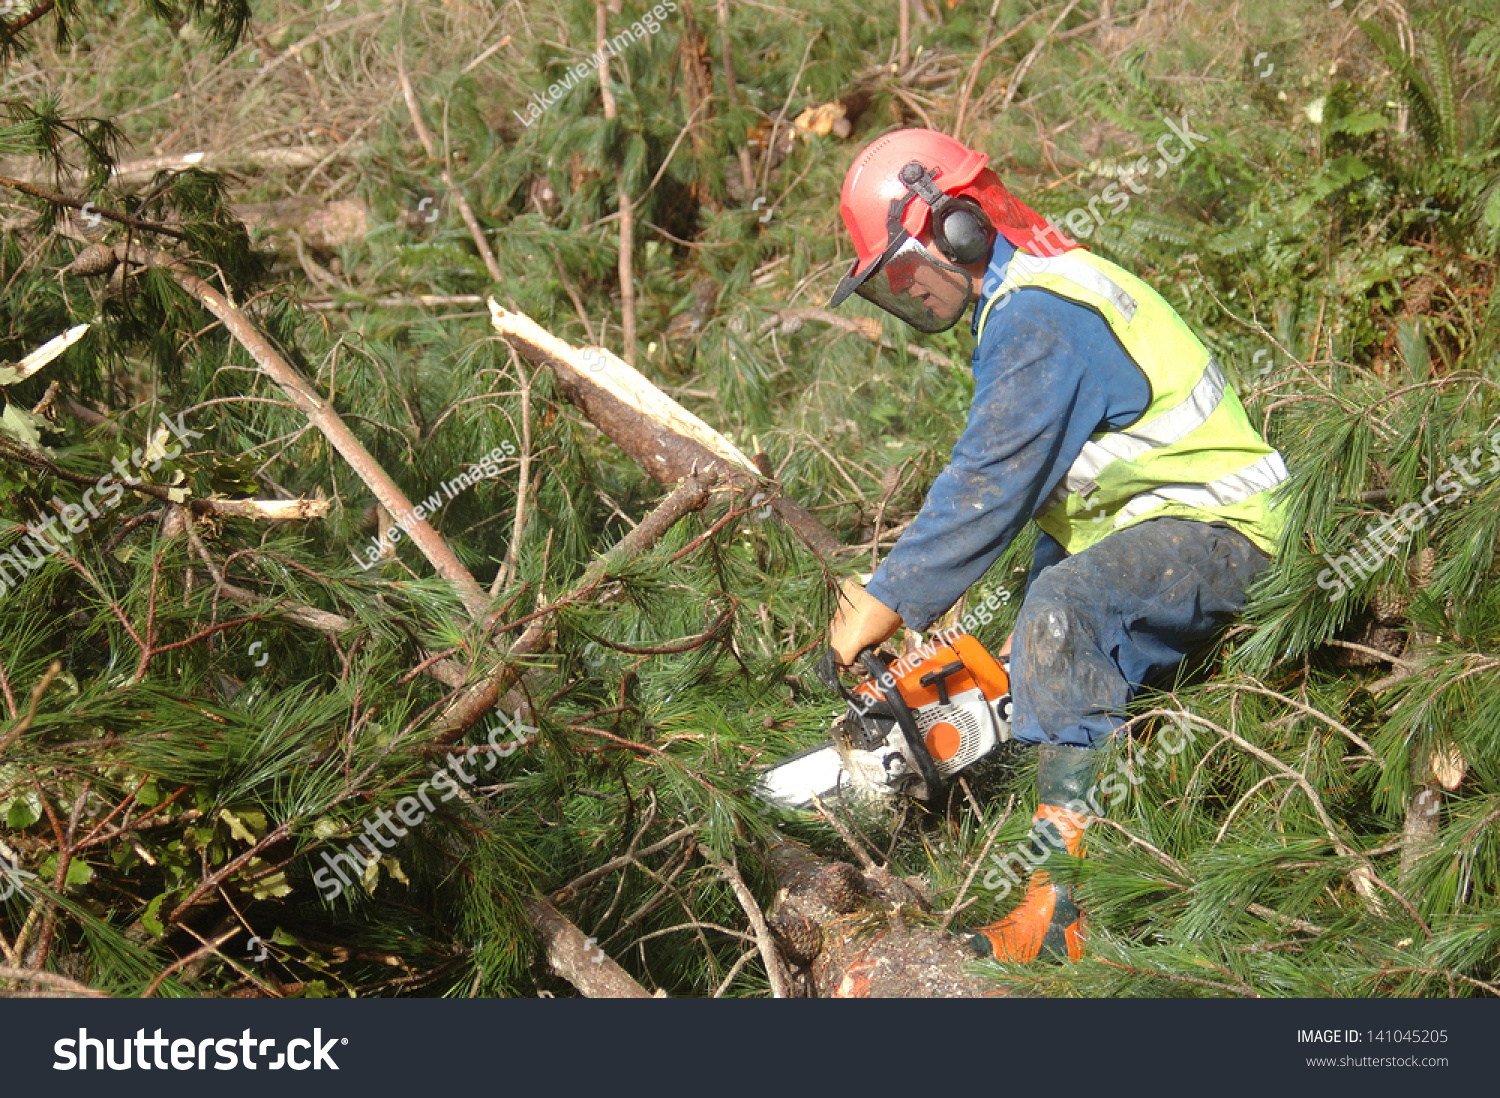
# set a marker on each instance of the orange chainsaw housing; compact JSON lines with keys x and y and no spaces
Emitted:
{"x":978,"y":671}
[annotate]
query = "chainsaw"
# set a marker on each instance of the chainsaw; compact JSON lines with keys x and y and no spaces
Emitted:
{"x":907,"y":729}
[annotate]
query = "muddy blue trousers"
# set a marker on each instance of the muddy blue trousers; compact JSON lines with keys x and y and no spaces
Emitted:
{"x":1125,"y":612}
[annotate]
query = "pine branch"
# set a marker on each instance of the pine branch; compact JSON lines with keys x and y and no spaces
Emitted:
{"x":322,"y":416}
{"x":445,"y":671}
{"x":763,"y":940}
{"x":1366,"y":878}
{"x":58,"y":986}
{"x":11,"y":28}
{"x":267,"y":510}
{"x":577,"y":959}
{"x":462,"y":204}
{"x":473,"y":702}
{"x":79,"y":204}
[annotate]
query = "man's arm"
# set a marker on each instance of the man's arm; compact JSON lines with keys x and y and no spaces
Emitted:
{"x":1047,"y":374}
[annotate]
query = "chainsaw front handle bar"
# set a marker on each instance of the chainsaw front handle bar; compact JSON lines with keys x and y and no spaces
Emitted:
{"x":828,"y":672}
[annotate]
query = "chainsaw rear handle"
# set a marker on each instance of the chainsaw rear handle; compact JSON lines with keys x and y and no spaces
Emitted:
{"x":828,"y":672}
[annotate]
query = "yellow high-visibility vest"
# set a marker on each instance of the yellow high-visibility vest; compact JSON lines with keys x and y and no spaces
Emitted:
{"x":1193,"y":454}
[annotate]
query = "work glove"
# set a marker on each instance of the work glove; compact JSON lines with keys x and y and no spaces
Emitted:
{"x":862,"y":621}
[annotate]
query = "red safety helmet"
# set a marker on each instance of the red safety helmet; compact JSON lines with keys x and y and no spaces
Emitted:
{"x":958,"y":198}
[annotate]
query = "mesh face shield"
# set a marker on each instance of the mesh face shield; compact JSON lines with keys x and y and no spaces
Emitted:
{"x":918,"y":287}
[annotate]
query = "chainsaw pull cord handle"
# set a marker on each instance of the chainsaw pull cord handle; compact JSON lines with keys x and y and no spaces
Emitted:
{"x":916,"y":745}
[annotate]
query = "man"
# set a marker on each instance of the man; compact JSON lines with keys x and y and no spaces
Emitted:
{"x":1098,"y":413}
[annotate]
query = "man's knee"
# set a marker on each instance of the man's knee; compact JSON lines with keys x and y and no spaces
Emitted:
{"x":1052,"y":620}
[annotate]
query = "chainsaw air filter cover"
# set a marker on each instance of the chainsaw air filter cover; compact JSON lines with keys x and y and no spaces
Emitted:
{"x":961,"y":733}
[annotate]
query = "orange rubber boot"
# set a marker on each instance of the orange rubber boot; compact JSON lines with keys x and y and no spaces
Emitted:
{"x":1047,"y":923}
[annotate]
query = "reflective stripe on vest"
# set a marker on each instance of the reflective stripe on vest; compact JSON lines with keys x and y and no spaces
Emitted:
{"x":1171,"y":426}
{"x":1076,"y":272}
{"x":1265,"y":474}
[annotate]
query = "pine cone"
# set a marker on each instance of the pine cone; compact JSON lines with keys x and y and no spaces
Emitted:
{"x":1389,"y":604}
{"x":798,"y":937}
{"x":93,"y":261}
{"x":840,"y":886}
{"x":1426,"y":561}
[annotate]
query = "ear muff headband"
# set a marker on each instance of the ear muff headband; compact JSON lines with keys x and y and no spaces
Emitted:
{"x":960,"y":228}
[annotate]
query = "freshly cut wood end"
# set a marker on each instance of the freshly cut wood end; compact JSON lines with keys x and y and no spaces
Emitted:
{"x":1447,"y":767}
{"x":273,"y":510}
{"x":48,"y":351}
{"x":611,"y":373}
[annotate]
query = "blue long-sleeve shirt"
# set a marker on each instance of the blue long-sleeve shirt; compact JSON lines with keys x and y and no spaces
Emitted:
{"x":1047,"y":373}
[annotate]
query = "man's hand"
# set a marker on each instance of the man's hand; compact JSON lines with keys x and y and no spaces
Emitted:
{"x":863,"y":621}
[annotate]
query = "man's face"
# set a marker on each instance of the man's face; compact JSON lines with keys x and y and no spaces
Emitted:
{"x":938,"y":290}
{"x":920,"y":287}
{"x":975,"y":270}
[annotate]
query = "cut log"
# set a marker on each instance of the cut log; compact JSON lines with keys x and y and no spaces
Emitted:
{"x":323,"y":226}
{"x":842,"y":932}
{"x":663,"y":437}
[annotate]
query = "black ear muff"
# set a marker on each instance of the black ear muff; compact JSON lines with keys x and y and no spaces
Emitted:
{"x":960,"y":228}
{"x":962,"y":231}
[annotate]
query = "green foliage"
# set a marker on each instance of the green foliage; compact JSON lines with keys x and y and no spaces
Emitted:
{"x":1332,"y":238}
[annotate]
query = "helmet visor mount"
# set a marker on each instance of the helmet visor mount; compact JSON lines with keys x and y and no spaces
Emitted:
{"x":916,"y":286}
